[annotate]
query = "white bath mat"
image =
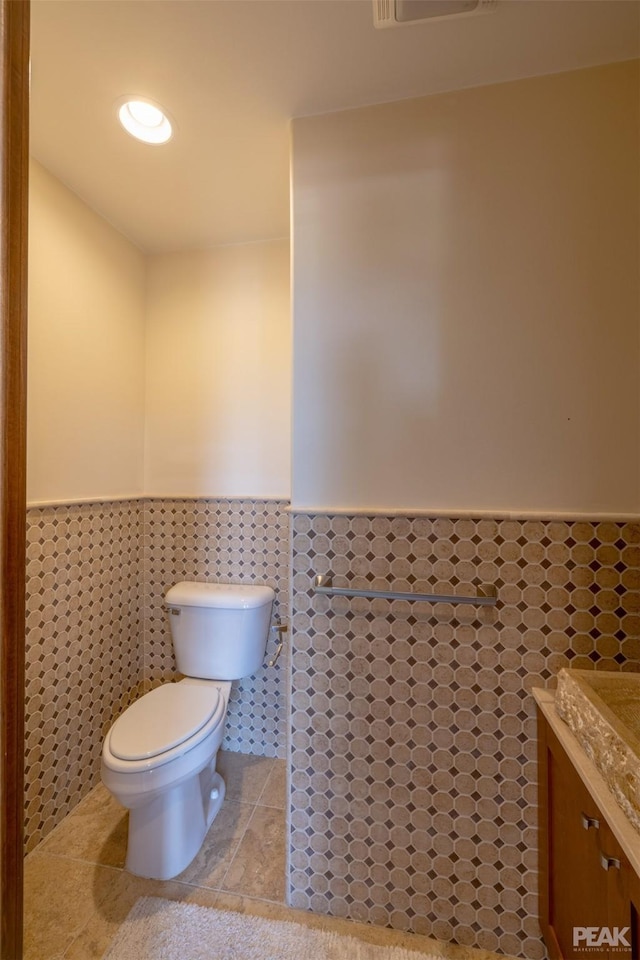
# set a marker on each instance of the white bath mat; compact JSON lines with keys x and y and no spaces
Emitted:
{"x":159,"y":929}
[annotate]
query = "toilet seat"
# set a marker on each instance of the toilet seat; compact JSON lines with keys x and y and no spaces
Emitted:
{"x":166,"y":723}
{"x":162,"y":719}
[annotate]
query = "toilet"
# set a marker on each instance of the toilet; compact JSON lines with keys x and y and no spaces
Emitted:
{"x":159,"y":757}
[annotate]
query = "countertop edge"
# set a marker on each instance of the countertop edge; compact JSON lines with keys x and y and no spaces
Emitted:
{"x":626,"y":835}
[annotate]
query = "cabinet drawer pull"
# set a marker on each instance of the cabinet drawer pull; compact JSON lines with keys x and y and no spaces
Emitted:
{"x":589,"y":822}
{"x":609,"y":863}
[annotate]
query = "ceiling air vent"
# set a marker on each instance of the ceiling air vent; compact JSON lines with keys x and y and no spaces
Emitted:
{"x":402,"y":13}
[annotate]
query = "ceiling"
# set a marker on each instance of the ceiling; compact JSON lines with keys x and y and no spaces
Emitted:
{"x":231,"y":73}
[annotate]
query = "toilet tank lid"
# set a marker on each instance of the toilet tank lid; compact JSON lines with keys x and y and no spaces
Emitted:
{"x":229,"y":596}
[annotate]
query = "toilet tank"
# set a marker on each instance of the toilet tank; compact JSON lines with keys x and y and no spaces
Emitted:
{"x":219,"y":631}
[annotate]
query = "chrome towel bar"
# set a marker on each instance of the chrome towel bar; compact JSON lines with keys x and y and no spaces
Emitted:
{"x":487,"y":595}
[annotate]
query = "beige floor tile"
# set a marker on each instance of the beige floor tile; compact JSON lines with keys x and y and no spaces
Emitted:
{"x":258,"y":868}
{"x":244,"y":776}
{"x":220,"y":844}
{"x":260,"y":908}
{"x":73,"y":909}
{"x":275,"y":789}
{"x":60,"y":897}
{"x":95,"y":831}
{"x":124,"y":891}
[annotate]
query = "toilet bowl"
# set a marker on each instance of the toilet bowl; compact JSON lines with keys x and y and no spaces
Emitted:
{"x":159,"y":757}
{"x":158,"y":761}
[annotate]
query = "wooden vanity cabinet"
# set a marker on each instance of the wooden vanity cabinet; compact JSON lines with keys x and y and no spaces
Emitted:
{"x":585,"y":878}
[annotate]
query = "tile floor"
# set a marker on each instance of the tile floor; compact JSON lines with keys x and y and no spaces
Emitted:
{"x":77,"y":892}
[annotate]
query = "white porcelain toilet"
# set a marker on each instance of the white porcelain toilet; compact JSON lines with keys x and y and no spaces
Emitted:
{"x":159,"y":757}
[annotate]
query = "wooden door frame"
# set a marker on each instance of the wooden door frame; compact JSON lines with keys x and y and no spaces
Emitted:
{"x":14,"y":173}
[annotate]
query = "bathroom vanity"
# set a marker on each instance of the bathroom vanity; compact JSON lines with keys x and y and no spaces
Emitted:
{"x":589,"y":848}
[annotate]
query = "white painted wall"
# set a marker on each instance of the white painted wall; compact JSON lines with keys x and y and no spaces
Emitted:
{"x":86,"y":350}
{"x":466,"y":299}
{"x":206,"y":334}
{"x":466,"y":305}
{"x":218,"y":372}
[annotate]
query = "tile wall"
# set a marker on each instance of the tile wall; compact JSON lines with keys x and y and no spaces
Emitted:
{"x":97,"y":636}
{"x":413,"y":734}
{"x":84,"y":659}
{"x":413,"y":775}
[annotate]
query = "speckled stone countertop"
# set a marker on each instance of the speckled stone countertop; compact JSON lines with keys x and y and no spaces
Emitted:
{"x":602,"y":710}
{"x":624,"y":831}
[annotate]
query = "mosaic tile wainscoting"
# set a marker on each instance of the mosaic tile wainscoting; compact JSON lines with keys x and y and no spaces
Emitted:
{"x":413,"y":774}
{"x":229,"y":541}
{"x":84,"y":658}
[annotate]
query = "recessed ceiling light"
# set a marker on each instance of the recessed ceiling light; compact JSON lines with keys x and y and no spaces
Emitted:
{"x":145,"y":121}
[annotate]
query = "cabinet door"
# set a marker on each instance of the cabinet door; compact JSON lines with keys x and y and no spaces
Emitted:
{"x":634,"y":912}
{"x":578,"y":885}
{"x":621,"y":917}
